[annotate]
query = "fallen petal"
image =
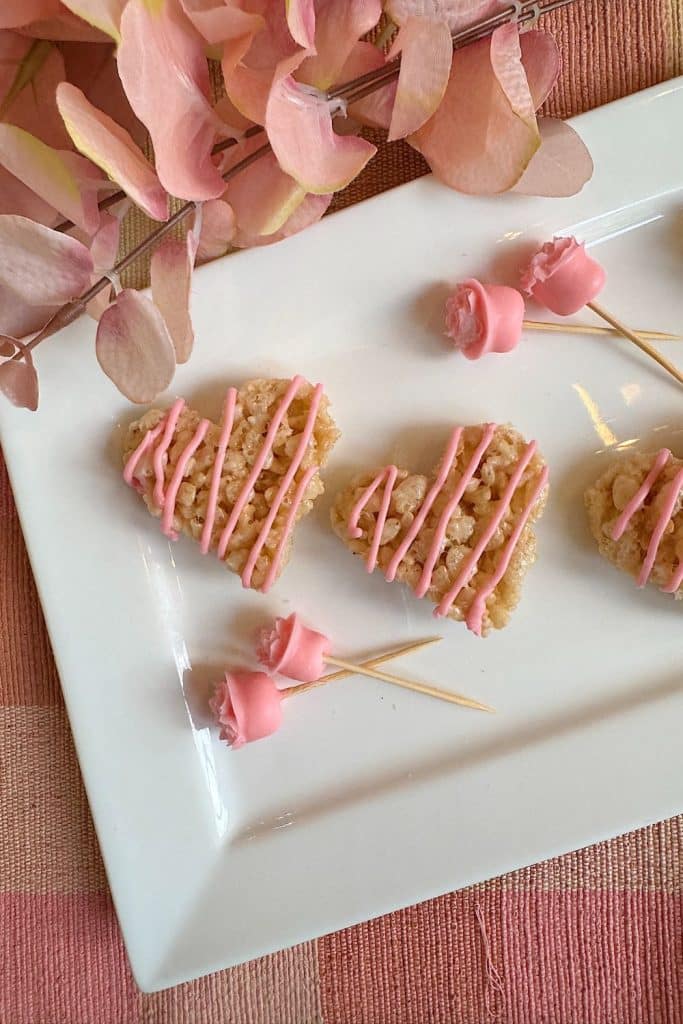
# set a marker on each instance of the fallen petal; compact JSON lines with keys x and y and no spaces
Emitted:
{"x":19,"y":383}
{"x":218,"y":229}
{"x":48,"y":174}
{"x":338,"y":27}
{"x":426,"y":50}
{"x":299,"y":128}
{"x":39,"y":266}
{"x":165,"y":74}
{"x":562,"y":165}
{"x":111,"y":148}
{"x":301,"y":22}
{"x":102,"y":14}
{"x":171,"y":277}
{"x":475,"y":142}
{"x":134,"y":347}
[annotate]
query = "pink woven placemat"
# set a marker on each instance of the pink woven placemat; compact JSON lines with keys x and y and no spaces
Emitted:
{"x":590,"y":938}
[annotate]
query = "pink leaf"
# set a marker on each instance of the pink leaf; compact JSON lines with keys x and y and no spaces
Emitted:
{"x":15,"y":13}
{"x":171,"y":276}
{"x":299,"y":127}
{"x":112,"y":149}
{"x":309,"y":212}
{"x":165,"y":75}
{"x":338,"y":27}
{"x":426,"y":52}
{"x":376,"y":109}
{"x":542,"y":62}
{"x":475,"y":142}
{"x":301,"y":22}
{"x":262,"y":197}
{"x":102,"y":14}
{"x":29,"y":75}
{"x":562,"y":165}
{"x":218,"y":229}
{"x":93,"y":69}
{"x":134,"y":348}
{"x":220,"y":21}
{"x":458,"y":14}
{"x":39,"y":266}
{"x":19,"y":383}
{"x":47,"y":173}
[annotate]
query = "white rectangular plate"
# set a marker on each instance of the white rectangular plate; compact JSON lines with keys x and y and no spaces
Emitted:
{"x":369,"y":798}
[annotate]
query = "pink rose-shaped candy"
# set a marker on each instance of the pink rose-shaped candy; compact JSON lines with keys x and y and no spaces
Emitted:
{"x":483,"y":318}
{"x":293,"y":649}
{"x":563,"y":277}
{"x":247,"y":706}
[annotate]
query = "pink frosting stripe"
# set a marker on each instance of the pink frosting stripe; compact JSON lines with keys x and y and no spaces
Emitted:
{"x":475,"y":613}
{"x":639,"y":498}
{"x":177,"y":478}
{"x":146,"y":443}
{"x":223,"y":441}
{"x":292,"y":470}
{"x":245,"y":493}
{"x":668,"y":506}
{"x":470,"y":564}
{"x":287,"y":527}
{"x":441,"y":527}
{"x":158,"y":461}
{"x":435,"y":490}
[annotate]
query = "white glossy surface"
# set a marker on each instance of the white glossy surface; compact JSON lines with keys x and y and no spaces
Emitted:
{"x":369,"y":798}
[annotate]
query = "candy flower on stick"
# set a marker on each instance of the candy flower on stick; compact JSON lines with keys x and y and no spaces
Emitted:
{"x":248,"y":705}
{"x":298,"y":652}
{"x":483,"y":318}
{"x":564,"y":278}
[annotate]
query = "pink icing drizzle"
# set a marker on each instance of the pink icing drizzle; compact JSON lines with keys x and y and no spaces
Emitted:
{"x":475,"y":616}
{"x":166,"y":501}
{"x":668,"y":505}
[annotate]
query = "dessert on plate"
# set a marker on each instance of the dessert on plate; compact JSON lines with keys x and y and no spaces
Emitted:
{"x":635,"y":512}
{"x":237,"y":487}
{"x":463,"y":537}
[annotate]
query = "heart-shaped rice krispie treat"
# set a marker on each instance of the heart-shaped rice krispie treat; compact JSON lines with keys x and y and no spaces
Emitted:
{"x":635,"y":511}
{"x":238,"y":487}
{"x":462,"y":537}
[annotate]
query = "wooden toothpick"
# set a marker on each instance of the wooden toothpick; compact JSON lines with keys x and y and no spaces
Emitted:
{"x":292,"y":691}
{"x":557,"y":328}
{"x":642,"y":344}
{"x":409,"y":684}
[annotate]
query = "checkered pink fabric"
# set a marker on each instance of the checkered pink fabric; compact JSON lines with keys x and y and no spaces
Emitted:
{"x":590,"y":938}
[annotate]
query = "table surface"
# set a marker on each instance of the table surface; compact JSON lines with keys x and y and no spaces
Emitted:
{"x":594,"y":936}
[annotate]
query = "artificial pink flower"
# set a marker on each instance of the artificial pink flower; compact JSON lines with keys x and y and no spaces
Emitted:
{"x":247,"y":706}
{"x":293,"y":649}
{"x":563,"y":277}
{"x":483,"y":318}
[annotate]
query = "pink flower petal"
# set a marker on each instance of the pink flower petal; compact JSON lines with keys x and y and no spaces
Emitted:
{"x":541,"y":60}
{"x":235,"y":122}
{"x":262,"y":197}
{"x":222,"y":20}
{"x":338,"y":27}
{"x":426,"y":50}
{"x":248,"y":89}
{"x":458,"y":14}
{"x":301,"y":22}
{"x":19,"y":383}
{"x":165,"y":75}
{"x":562,"y":165}
{"x":105,"y":243}
{"x":506,"y":61}
{"x":45,"y":172}
{"x":134,"y":347}
{"x":112,"y":149}
{"x":39,"y":266}
{"x":19,"y":318}
{"x":248,"y":70}
{"x":29,"y":75}
{"x":475,"y":142}
{"x":7,"y":346}
{"x":92,"y":68}
{"x":218,"y":229}
{"x":309,"y":212}
{"x":102,"y":14}
{"x":63,"y":27}
{"x":15,"y":13}
{"x":299,"y":127}
{"x":15,"y":197}
{"x":376,"y":109}
{"x":171,"y":276}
